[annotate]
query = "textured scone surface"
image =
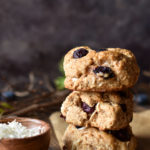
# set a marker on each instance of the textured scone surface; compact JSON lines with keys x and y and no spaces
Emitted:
{"x":109,"y":110}
{"x":94,"y":139}
{"x":110,"y":70}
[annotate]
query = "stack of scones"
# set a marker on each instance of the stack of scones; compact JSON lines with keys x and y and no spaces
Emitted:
{"x":100,"y":107}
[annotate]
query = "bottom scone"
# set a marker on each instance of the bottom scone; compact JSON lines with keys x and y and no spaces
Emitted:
{"x":81,"y":138}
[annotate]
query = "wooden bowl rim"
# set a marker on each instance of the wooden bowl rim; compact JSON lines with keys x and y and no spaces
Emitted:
{"x":47,"y":129}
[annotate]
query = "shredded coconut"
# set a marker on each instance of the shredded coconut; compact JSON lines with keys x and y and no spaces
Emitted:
{"x":15,"y":129}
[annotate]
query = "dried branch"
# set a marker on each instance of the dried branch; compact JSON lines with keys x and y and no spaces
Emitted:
{"x":57,"y":99}
{"x":146,"y":73}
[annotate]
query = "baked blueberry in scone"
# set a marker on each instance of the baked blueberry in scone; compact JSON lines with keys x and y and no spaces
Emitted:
{"x":106,"y":111}
{"x":110,"y":69}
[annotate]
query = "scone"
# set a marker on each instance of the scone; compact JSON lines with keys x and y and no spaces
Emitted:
{"x":93,"y":139}
{"x":111,"y":69}
{"x":109,"y":110}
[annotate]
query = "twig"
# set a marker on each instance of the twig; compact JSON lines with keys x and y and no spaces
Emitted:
{"x":34,"y":107}
{"x":47,"y":83}
{"x":146,"y":73}
{"x":21,"y":94}
{"x":32,"y":80}
{"x":37,"y":99}
{"x":57,"y":100}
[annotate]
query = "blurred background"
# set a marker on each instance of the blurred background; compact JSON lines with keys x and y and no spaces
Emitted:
{"x":36,"y":34}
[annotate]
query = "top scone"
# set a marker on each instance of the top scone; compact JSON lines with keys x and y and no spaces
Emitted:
{"x":111,"y":69}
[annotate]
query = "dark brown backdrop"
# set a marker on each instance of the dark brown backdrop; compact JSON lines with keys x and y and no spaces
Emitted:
{"x":35,"y":34}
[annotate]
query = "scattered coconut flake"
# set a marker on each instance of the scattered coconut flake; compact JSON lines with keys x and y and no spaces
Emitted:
{"x":74,"y":79}
{"x":15,"y":129}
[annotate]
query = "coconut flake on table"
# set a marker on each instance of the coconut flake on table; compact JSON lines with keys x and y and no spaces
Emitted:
{"x":15,"y":129}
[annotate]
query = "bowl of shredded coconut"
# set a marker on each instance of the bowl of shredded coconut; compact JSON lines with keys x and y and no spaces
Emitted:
{"x":19,"y":133}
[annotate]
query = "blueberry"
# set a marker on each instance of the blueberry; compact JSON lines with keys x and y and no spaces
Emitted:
{"x":123,"y":107}
{"x":101,"y":49}
{"x":141,"y":99}
{"x":80,"y":53}
{"x":103,"y":71}
{"x":86,"y":108}
{"x":8,"y":95}
{"x":122,"y":134}
{"x":122,"y":94}
{"x":64,"y":147}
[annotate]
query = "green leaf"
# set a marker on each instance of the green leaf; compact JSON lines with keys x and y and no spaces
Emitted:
{"x":59,"y":83}
{"x":1,"y":111}
{"x":60,"y":66}
{"x":6,"y":105}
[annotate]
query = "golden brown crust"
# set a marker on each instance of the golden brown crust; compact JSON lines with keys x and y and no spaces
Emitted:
{"x":112,"y":110}
{"x":93,"y":139}
{"x":80,"y":76}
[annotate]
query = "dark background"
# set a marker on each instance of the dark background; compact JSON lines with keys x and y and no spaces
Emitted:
{"x":35,"y":34}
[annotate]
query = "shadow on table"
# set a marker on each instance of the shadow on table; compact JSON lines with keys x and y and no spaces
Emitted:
{"x":143,"y":143}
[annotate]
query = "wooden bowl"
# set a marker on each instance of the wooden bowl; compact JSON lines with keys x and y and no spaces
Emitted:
{"x":39,"y":142}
